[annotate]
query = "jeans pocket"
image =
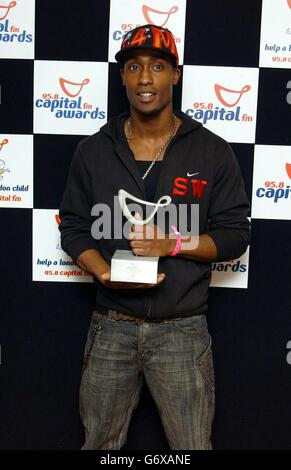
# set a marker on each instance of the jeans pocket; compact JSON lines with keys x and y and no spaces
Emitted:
{"x":205,"y":366}
{"x":191,"y":325}
{"x":95,"y":326}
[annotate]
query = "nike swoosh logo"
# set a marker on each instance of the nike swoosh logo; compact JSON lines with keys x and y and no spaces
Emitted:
{"x":193,"y":174}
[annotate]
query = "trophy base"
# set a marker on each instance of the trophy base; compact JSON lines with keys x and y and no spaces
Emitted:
{"x":127,"y":267}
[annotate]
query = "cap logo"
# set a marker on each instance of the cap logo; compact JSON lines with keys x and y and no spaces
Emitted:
{"x":161,"y":38}
{"x":137,"y":40}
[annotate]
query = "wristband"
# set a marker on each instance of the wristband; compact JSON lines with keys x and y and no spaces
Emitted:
{"x":178,"y":245}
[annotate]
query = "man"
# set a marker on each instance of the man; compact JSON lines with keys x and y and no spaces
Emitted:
{"x":157,"y":332}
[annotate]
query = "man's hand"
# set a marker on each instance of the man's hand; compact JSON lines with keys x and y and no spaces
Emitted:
{"x":150,"y":240}
{"x":105,"y":280}
{"x":93,"y":263}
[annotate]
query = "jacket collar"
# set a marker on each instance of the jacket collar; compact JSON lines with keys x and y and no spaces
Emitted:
{"x":114,"y":129}
{"x":115,"y":126}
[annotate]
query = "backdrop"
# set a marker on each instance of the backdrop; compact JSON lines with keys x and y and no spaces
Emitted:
{"x":58,"y":83}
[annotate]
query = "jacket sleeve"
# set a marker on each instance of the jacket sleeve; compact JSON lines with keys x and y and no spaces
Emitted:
{"x":75,"y":209}
{"x":229,"y":207}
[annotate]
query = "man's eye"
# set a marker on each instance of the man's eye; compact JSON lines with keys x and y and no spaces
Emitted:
{"x":133,"y":67}
{"x":158,"y":67}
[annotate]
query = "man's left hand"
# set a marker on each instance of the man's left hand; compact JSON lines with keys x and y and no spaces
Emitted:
{"x":150,"y":240}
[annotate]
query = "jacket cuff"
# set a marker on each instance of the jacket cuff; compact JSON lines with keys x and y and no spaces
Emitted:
{"x":230,"y":244}
{"x":76,"y":247}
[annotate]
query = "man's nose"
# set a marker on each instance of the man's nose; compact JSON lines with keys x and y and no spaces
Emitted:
{"x":145,"y":76}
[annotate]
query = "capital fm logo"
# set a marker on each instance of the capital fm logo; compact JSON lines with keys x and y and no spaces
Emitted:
{"x":288,"y":30}
{"x":4,"y":10}
{"x":58,"y":221}
{"x":276,"y":190}
{"x":163,"y":16}
{"x":72,"y":89}
{"x":10,"y":32}
{"x":3,"y":167}
{"x":226,"y":108}
{"x":3,"y":143}
{"x":68,"y":101}
{"x":232,"y":96}
{"x":149,"y":15}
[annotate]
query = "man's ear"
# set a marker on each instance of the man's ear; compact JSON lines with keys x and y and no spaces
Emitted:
{"x":176,"y":75}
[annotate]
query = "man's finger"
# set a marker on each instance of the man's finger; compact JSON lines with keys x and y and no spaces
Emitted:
{"x":161,"y":278}
{"x":138,"y":243}
{"x":136,"y":235}
{"x":137,"y":228}
{"x":137,"y":216}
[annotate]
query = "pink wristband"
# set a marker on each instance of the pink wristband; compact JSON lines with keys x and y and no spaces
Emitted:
{"x":178,"y":245}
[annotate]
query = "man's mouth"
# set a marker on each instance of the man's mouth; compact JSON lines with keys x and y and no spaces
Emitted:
{"x":147,"y":93}
{"x":146,"y":96}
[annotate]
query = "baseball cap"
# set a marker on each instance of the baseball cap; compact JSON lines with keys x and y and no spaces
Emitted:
{"x":151,"y":37}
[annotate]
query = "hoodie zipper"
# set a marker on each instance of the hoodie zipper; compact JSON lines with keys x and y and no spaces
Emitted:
{"x":164,"y":158}
{"x":165,"y":155}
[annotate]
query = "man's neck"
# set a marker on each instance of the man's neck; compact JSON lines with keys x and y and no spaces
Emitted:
{"x":154,"y":126}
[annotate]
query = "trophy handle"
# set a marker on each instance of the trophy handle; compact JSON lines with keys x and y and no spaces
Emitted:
{"x":122,"y":195}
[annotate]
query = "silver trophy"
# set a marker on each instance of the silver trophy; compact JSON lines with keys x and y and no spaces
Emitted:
{"x":127,"y":267}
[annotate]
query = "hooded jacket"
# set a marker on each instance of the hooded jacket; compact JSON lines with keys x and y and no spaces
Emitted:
{"x":198,"y":168}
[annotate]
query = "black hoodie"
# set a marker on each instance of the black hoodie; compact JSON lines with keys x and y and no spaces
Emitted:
{"x":103,"y":163}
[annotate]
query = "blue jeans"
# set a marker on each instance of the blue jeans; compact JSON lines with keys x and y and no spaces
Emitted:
{"x":174,"y":357}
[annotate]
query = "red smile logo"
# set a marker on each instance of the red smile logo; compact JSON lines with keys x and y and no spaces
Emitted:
{"x":4,"y":142}
{"x":76,"y":88}
{"x":5,"y":9}
{"x":58,"y":220}
{"x":146,"y":10}
{"x":237,"y":94}
{"x":289,"y":3}
{"x":288,"y":169}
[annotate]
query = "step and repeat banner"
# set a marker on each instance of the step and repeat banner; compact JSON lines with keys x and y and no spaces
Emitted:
{"x":59,"y":82}
{"x":71,"y":98}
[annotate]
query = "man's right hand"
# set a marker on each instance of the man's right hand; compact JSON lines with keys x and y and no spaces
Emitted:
{"x":93,"y":263}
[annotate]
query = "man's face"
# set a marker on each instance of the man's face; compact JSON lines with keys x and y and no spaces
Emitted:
{"x":149,"y":78}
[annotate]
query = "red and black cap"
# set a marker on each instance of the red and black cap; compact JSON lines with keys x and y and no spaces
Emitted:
{"x":151,"y":37}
